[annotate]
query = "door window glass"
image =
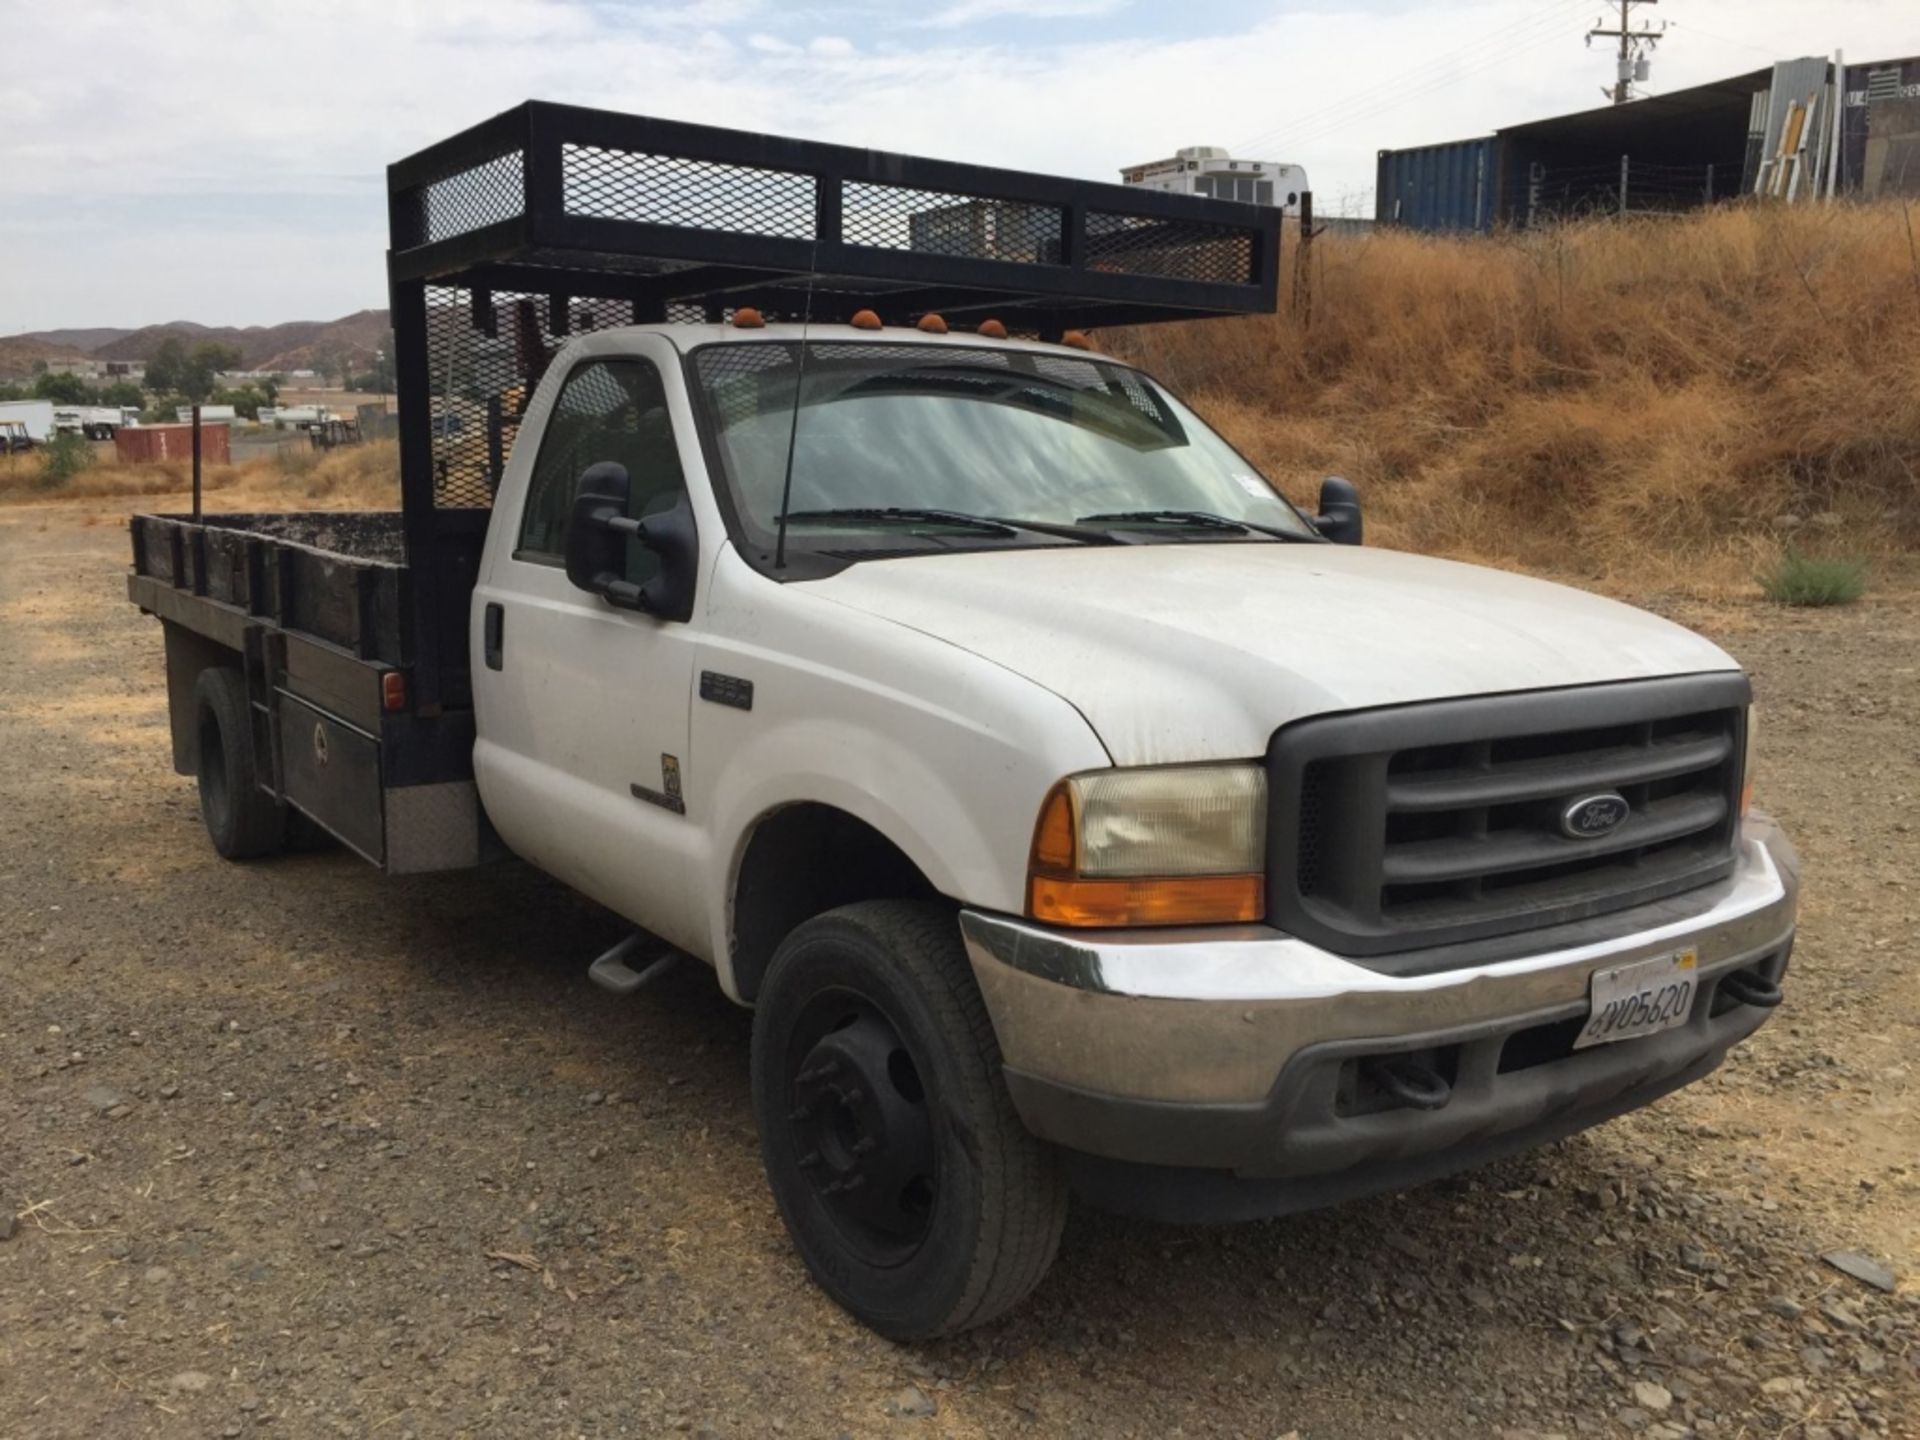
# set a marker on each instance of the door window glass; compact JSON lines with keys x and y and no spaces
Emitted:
{"x":608,"y":410}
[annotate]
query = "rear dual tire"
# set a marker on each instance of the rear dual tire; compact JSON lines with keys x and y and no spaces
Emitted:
{"x":242,"y":820}
{"x":915,"y":1195}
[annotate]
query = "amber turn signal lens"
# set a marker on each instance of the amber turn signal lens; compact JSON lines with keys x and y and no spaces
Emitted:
{"x":1185,"y":900}
{"x":1053,"y":837}
{"x":393,"y":690}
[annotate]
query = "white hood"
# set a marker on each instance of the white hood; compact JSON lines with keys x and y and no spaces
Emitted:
{"x":1200,"y":651}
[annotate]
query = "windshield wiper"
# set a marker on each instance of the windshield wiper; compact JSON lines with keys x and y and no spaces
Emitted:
{"x":1194,"y":519}
{"x":981,"y":524}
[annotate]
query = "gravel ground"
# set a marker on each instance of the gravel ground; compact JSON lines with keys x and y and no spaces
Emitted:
{"x":295,"y":1149}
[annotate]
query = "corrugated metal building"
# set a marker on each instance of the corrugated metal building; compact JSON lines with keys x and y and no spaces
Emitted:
{"x":1682,"y":149}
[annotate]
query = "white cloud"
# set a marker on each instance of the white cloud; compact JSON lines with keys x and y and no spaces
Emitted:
{"x":226,"y":164}
{"x":830,"y":47}
{"x":973,"y":12}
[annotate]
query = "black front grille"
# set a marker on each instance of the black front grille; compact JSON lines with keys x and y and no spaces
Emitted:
{"x":1432,"y":824}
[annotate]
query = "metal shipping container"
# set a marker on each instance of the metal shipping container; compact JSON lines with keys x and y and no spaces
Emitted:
{"x":1455,"y":186}
{"x":150,"y":444}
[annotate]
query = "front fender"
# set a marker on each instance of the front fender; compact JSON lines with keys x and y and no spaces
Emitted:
{"x":946,"y":754}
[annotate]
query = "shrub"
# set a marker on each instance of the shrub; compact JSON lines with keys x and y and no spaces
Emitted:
{"x":64,"y":457}
{"x":1798,"y":579}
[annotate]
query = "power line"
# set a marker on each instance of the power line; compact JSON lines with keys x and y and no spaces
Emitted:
{"x":1692,"y":29}
{"x":1417,"y":80}
{"x":1422,"y":79}
{"x":1330,"y":122}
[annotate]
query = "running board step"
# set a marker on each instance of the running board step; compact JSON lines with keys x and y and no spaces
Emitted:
{"x":611,"y":971}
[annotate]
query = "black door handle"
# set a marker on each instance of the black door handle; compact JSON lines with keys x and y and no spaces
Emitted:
{"x":495,"y":627}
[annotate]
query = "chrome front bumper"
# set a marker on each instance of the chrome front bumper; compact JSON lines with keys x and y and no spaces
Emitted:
{"x":1154,"y":1025}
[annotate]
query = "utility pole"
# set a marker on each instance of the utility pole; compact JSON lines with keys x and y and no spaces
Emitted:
{"x":1633,"y":62}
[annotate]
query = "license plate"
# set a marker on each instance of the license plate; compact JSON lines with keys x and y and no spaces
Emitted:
{"x":1643,"y":998}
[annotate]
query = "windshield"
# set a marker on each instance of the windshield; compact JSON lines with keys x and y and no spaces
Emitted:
{"x":985,"y":433}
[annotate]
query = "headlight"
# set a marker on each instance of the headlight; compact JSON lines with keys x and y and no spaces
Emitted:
{"x":1171,"y":845}
{"x":1746,"y":761}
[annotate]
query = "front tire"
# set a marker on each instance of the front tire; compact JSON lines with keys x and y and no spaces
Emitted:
{"x":908,"y":1183}
{"x":242,"y":820}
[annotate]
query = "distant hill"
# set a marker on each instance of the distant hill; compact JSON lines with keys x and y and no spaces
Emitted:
{"x":85,"y":341}
{"x":295,"y":345}
{"x":18,"y":352}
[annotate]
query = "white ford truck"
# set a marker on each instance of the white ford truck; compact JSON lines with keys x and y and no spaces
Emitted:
{"x":779,"y":566}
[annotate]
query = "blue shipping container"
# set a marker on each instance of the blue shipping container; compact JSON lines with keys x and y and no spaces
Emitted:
{"x":1440,"y":187}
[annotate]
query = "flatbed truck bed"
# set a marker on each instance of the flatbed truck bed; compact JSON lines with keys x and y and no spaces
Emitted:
{"x":315,"y":606}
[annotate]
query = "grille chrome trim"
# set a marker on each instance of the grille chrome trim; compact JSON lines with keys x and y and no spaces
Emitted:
{"x":1430,"y":824}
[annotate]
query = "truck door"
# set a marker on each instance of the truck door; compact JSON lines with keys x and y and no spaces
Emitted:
{"x":582,"y":708}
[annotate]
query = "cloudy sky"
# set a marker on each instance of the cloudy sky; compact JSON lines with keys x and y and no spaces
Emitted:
{"x":223,"y":162}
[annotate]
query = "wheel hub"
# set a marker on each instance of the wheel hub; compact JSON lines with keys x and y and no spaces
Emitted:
{"x":862,"y":1134}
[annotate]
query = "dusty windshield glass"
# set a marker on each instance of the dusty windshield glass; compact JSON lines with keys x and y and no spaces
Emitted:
{"x":994,"y":433}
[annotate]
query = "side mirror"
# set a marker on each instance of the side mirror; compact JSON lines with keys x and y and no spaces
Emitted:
{"x":1339,"y":517}
{"x":597,"y":535}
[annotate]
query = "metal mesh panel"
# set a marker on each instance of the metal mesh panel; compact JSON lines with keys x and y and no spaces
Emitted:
{"x":934,"y":222}
{"x":662,"y":190}
{"x":1085,"y":375}
{"x":491,"y":191}
{"x":1171,"y":249}
{"x":478,"y":384}
{"x":735,"y":375}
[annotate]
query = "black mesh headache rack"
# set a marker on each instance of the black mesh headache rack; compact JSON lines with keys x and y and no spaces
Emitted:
{"x":549,"y":220}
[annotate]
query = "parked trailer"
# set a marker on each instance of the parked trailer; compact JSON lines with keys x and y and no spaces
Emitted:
{"x":209,"y":414}
{"x":35,"y":415}
{"x":95,"y":422}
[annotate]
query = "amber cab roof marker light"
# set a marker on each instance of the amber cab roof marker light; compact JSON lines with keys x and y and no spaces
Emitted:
{"x":864,"y":320}
{"x":992,"y":329}
{"x":1076,"y":339}
{"x":931,"y":323}
{"x":748,"y":318}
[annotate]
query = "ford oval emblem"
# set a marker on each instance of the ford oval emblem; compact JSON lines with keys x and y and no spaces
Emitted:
{"x":1591,"y":816}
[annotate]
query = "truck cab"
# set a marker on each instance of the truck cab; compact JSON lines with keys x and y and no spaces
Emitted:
{"x":1076,"y":813}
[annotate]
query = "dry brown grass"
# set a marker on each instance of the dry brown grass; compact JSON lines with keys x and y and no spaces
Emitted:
{"x":356,"y":477}
{"x":1641,"y":405}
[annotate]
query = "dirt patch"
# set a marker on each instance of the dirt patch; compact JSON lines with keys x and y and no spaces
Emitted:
{"x":295,"y":1149}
